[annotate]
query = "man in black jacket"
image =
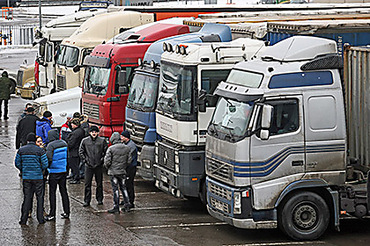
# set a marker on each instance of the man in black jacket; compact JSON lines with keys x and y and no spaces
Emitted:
{"x":74,"y":140}
{"x":92,"y":151}
{"x":25,"y":126}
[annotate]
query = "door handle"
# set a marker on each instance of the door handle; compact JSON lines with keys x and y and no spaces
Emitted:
{"x":297,"y":163}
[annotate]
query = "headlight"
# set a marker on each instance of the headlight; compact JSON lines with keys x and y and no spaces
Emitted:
{"x":29,"y":85}
{"x":237,"y":203}
{"x":156,"y":159}
{"x":177,"y":168}
{"x":177,"y":159}
{"x":146,"y":164}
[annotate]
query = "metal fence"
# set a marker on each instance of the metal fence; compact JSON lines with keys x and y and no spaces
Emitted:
{"x":17,"y":35}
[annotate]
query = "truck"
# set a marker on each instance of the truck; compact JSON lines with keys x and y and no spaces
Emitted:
{"x":188,"y":76}
{"x":91,"y":33}
{"x":49,"y":38}
{"x":287,"y":143}
{"x":25,"y":79}
{"x":108,"y":76}
{"x":140,"y":109}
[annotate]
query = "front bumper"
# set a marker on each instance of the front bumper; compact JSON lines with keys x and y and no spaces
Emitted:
{"x":243,"y":223}
{"x":146,"y":160}
{"x":176,"y":184}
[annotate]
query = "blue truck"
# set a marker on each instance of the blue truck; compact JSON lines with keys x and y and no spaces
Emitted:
{"x":140,"y":110}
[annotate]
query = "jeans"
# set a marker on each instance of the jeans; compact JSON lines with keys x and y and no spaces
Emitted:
{"x":30,"y":187}
{"x":119,"y":182}
{"x":89,"y":173}
{"x":5,"y":107}
{"x":58,"y":179}
{"x":131,"y":172}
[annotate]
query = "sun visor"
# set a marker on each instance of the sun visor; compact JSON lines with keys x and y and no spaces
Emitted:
{"x":97,"y":61}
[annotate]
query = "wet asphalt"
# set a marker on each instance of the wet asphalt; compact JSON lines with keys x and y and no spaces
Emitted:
{"x":158,"y":218}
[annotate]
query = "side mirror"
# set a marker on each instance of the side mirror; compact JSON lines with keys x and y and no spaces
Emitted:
{"x":202,"y":101}
{"x":76,"y":68}
{"x":122,"y":82}
{"x":266,"y":121}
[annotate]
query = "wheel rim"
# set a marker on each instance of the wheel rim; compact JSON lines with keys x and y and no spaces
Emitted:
{"x":305,"y":216}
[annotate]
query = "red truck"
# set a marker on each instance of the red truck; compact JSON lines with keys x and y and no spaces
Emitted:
{"x":108,"y":74}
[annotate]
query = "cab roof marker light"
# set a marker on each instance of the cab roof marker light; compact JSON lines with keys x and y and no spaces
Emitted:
{"x":140,"y":62}
{"x":164,"y":46}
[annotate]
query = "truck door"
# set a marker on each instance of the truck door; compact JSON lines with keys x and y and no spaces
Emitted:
{"x":209,"y":79}
{"x":279,"y":160}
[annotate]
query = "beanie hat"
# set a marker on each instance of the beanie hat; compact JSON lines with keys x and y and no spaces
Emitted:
{"x":47,"y":114}
{"x":75,"y":121}
{"x":31,"y":137}
{"x":126,"y":134}
{"x":94,"y":129}
{"x":30,"y":109}
{"x":76,"y":115}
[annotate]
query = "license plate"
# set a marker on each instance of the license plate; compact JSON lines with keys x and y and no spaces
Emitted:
{"x":164,"y":179}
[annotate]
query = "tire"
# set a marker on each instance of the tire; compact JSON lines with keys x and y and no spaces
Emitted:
{"x":304,"y":216}
{"x":203,"y":192}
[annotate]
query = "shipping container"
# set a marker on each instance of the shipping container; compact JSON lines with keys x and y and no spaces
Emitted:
{"x":355,"y":32}
{"x":356,"y":76}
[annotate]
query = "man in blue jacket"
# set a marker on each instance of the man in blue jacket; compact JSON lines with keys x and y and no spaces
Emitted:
{"x":31,"y":160}
{"x":43,"y":126}
{"x":56,"y":151}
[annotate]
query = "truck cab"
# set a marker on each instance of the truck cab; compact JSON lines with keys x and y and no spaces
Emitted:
{"x":140,"y":110}
{"x":92,"y":32}
{"x":109,"y":73}
{"x":276,"y":149}
{"x":189,"y":75}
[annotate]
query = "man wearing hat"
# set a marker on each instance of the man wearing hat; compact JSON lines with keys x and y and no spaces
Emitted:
{"x":66,"y":129}
{"x":25,"y":126}
{"x":5,"y":85}
{"x":73,"y":140}
{"x":31,"y":161}
{"x":131,"y":169}
{"x":92,"y":152}
{"x":43,"y":126}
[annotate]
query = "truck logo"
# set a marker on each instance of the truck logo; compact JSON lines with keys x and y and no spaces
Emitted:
{"x":165,"y":126}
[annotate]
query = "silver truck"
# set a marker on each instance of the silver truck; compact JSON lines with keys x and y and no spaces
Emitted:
{"x":287,"y":145}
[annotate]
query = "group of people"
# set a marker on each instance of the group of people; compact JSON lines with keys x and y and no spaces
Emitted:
{"x":44,"y":151}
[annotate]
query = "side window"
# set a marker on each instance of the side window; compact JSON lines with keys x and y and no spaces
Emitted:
{"x":285,"y":117}
{"x":209,"y":82}
{"x":123,"y":77}
{"x":49,"y":52}
{"x":85,"y":53}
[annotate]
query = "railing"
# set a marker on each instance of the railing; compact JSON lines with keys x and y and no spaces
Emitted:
{"x":17,"y":35}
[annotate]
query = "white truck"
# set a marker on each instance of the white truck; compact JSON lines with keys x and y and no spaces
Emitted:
{"x":287,"y":144}
{"x":50,"y":36}
{"x":92,"y":32}
{"x":189,"y":73}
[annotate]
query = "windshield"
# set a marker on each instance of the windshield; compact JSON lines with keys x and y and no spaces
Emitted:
{"x":245,"y":78}
{"x":231,"y":117}
{"x":143,"y":92}
{"x":67,"y":56}
{"x":96,"y":80}
{"x":176,"y":89}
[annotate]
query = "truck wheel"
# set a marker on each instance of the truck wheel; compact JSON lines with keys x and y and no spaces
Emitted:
{"x":203,"y":192}
{"x":305,"y":216}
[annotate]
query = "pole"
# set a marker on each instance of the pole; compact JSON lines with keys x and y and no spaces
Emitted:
{"x":40,"y":14}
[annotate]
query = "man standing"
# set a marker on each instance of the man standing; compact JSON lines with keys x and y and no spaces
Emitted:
{"x":74,"y":140}
{"x":5,"y":85}
{"x":31,"y":160}
{"x":131,"y":169}
{"x":92,"y":151}
{"x":43,"y":126}
{"x":25,"y":126}
{"x":116,"y":161}
{"x":66,"y":129}
{"x":56,"y":151}
{"x":28,"y":105}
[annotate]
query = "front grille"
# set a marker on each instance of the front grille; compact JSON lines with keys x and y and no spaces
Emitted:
{"x":61,"y":82}
{"x":220,"y":191}
{"x":91,"y":110}
{"x":137,"y":132}
{"x":222,"y":170}
{"x":19,"y":78}
{"x":219,"y":205}
{"x":166,"y":156}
